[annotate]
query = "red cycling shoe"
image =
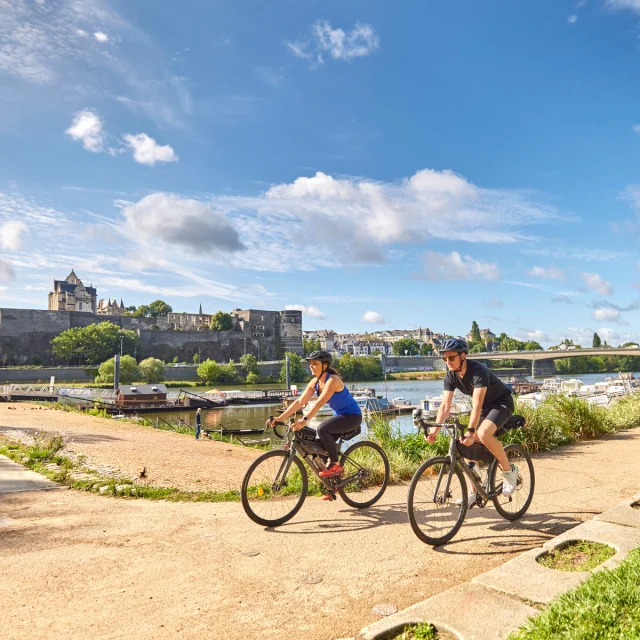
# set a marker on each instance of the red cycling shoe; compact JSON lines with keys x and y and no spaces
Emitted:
{"x":329,"y":496}
{"x":332,"y":471}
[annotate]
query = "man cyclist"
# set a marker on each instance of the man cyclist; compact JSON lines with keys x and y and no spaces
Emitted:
{"x":492,"y":406}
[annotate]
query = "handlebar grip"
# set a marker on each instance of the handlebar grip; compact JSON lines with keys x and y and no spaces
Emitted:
{"x":275,"y":426}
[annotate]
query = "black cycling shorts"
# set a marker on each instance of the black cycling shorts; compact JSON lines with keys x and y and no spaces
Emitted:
{"x":498,"y":412}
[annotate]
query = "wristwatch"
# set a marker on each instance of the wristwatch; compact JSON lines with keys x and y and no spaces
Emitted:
{"x":305,"y":418}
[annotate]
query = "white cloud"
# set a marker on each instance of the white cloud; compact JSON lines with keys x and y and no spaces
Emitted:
{"x":339,"y":45}
{"x":549,"y":273}
{"x":373,"y":317}
{"x":634,"y":5}
{"x":608,"y":314}
{"x":538,"y":335}
{"x":440,"y":266}
{"x":184,"y":222}
{"x":6,"y":271}
{"x":312,"y":312}
{"x":636,"y":128}
{"x":356,"y":218}
{"x":87,"y":127}
{"x":82,"y":33}
{"x":100,"y":36}
{"x":597,"y":283}
{"x":11,"y":235}
{"x":585,"y":255}
{"x":572,"y":19}
{"x":147,"y":151}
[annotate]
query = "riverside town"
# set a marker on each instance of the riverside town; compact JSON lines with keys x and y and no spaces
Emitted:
{"x":311,"y":323}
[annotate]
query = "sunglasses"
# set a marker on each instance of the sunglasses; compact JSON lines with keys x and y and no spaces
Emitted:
{"x":450,"y":358}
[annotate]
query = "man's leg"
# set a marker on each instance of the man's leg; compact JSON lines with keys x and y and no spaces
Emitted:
{"x":485,"y":433}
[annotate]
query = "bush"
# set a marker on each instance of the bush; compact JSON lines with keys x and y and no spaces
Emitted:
{"x":210,"y":372}
{"x":152,"y":370}
{"x":253,"y":378}
{"x":129,"y":370}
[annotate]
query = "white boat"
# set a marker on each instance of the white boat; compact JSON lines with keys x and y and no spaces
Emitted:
{"x":400,"y":401}
{"x":571,"y":387}
{"x":531,"y":400}
{"x":553,"y":385}
{"x":325,"y":410}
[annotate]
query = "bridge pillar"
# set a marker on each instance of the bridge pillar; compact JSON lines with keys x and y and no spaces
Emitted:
{"x":543,"y":368}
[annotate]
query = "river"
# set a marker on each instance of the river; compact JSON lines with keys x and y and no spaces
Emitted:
{"x":254,"y":416}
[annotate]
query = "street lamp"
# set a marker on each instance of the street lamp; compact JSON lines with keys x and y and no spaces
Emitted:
{"x":121,"y":339}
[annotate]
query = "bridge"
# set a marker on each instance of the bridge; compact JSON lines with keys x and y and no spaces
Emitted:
{"x":541,"y":355}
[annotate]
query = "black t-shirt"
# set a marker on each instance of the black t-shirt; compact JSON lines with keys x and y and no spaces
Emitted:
{"x":477,"y":376}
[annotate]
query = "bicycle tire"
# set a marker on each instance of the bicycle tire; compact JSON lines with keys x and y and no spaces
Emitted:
{"x":500,"y":501}
{"x":369,"y":473}
{"x":247,"y":500}
{"x":423,"y":473}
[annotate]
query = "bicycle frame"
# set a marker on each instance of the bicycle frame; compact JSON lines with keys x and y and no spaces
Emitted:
{"x":307,"y":451}
{"x":457,"y":460}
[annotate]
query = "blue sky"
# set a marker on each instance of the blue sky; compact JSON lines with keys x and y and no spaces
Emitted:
{"x":377,"y":164}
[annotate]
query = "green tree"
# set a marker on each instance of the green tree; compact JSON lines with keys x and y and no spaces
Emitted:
{"x":152,"y":370}
{"x":142,"y":311}
{"x":94,"y":343}
{"x":596,"y":341}
{"x":221,"y":321}
{"x":298,"y":371}
{"x":159,"y":308}
{"x":426,"y":349}
{"x":196,"y":358}
{"x":129,"y":371}
{"x":360,"y":368}
{"x":532,"y":345}
{"x":253,"y":378}
{"x":309,"y":345}
{"x":210,"y":372}
{"x":250,"y":364}
{"x":406,"y":344}
{"x":475,"y":332}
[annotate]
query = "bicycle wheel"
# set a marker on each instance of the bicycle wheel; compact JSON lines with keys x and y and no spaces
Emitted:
{"x":515,"y":505}
{"x":268,"y":498}
{"x":367,"y":464}
{"x":435,"y":517}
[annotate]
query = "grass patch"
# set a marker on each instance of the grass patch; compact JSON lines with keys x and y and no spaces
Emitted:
{"x":416,"y":375}
{"x":580,"y":555}
{"x":43,"y":457}
{"x":606,"y":606}
{"x":422,"y":631}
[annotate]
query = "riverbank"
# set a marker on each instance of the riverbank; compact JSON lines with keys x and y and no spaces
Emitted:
{"x":416,"y":375}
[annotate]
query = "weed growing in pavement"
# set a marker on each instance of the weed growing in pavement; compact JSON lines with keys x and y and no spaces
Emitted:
{"x":579,"y":555}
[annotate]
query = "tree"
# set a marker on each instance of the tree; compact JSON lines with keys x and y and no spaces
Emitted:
{"x":475,"y":332}
{"x":210,"y":372}
{"x":406,"y":344}
{"x":129,"y":371}
{"x":253,"y":378}
{"x":94,"y":343}
{"x":159,"y":308}
{"x":250,"y":364}
{"x":152,"y":370}
{"x":142,"y":311}
{"x":309,"y":345}
{"x":298,"y":372}
{"x":426,"y":349}
{"x":596,"y":341}
{"x":196,"y":358}
{"x":358,"y":368}
{"x":532,"y":345}
{"x":221,"y":321}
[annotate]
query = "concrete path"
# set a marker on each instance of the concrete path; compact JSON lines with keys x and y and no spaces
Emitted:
{"x":14,"y":477}
{"x":82,"y":565}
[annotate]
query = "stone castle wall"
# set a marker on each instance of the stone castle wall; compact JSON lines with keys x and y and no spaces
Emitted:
{"x":26,"y":334}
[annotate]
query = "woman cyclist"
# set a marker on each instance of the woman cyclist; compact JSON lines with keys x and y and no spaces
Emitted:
{"x":330,"y":389}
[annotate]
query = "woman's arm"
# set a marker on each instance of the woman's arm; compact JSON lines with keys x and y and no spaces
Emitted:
{"x":329,"y":389}
{"x":294,"y":407}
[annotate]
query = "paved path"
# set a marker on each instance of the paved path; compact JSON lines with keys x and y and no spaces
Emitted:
{"x":81,"y":565}
{"x":14,"y":477}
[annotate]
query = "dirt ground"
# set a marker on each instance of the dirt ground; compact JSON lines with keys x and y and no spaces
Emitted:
{"x":77,"y":565}
{"x":171,"y":459}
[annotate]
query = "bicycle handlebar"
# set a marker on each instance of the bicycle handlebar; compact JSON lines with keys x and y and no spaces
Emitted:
{"x":274,"y":425}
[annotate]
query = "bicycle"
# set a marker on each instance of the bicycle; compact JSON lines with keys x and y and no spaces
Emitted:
{"x":275,"y":485}
{"x":437,"y":499}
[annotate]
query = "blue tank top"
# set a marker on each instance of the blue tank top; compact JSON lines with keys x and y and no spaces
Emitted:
{"x":341,"y":402}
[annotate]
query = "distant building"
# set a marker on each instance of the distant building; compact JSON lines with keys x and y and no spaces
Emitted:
{"x":142,"y":394}
{"x":71,"y":295}
{"x":109,"y":308}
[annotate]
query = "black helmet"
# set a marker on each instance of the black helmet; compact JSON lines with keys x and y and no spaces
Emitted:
{"x":455,"y":344}
{"x":321,"y":356}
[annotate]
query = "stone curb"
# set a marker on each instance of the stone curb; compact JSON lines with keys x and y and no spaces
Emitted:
{"x":491,"y":606}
